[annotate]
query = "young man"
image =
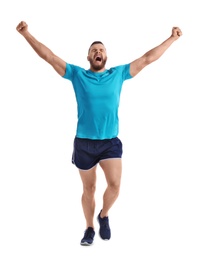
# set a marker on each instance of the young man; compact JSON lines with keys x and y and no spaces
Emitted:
{"x":97,"y":93}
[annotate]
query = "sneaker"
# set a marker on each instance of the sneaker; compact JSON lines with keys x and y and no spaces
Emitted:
{"x":104,"y":230}
{"x":88,"y":238}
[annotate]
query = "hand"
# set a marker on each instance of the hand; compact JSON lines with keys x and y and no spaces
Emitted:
{"x":22,"y":27}
{"x":176,"y":32}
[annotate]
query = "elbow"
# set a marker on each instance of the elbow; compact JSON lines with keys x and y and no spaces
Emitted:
{"x":48,"y":58}
{"x":149,"y":59}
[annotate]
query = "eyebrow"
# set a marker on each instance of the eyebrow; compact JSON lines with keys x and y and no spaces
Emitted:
{"x":101,"y":49}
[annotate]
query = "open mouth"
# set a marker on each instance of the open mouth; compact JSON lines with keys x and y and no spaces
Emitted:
{"x":98,"y":58}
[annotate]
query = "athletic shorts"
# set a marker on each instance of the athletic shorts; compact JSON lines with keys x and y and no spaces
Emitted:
{"x":87,"y":152}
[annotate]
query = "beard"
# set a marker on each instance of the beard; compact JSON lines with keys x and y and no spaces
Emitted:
{"x":97,"y":67}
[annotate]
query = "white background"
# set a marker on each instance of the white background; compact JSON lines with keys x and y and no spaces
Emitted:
{"x":157,"y":213}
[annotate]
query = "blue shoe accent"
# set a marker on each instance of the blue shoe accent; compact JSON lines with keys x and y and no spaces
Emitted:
{"x":104,"y":231}
{"x":88,"y":238}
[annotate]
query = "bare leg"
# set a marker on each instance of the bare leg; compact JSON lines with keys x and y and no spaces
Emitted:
{"x":88,"y":201}
{"x":112,"y":169}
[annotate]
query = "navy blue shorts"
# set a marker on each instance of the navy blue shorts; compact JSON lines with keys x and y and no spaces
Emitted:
{"x":87,"y":153}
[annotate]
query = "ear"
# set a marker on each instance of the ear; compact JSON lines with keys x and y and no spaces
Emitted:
{"x":88,"y":58}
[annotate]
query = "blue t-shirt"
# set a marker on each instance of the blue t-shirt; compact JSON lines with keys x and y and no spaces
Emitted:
{"x":97,"y":95}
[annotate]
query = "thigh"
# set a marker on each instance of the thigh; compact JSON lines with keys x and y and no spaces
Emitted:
{"x":88,"y":177}
{"x":112,"y":169}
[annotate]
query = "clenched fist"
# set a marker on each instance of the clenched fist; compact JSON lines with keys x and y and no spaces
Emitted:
{"x":176,"y":32}
{"x":22,"y":27}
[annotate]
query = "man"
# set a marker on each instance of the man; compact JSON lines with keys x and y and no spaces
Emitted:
{"x":97,"y":92}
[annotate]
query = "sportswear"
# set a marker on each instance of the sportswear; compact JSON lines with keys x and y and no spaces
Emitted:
{"x":104,"y":231}
{"x":88,"y":237}
{"x":87,"y":153}
{"x":97,"y":95}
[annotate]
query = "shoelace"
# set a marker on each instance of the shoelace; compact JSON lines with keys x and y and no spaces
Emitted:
{"x":105,"y":223}
{"x":88,"y":234}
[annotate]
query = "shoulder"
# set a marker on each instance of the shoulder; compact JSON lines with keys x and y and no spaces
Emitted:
{"x":124,"y":70}
{"x":74,"y":67}
{"x":72,"y":70}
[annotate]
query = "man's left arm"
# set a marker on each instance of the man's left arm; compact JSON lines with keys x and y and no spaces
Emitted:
{"x":154,"y":54}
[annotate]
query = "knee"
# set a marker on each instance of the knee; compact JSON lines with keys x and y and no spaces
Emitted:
{"x":89,"y":190}
{"x":114,"y":186}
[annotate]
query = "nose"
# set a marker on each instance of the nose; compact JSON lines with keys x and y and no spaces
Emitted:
{"x":98,"y":52}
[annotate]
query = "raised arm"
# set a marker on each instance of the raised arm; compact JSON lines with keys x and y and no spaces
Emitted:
{"x":45,"y":53}
{"x":137,"y":65}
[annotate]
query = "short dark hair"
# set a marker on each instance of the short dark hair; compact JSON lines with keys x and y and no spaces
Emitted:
{"x":95,"y":42}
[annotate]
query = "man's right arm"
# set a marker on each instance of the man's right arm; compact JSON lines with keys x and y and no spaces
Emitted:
{"x":45,"y":53}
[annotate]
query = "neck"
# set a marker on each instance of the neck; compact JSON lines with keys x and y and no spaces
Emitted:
{"x":97,"y":70}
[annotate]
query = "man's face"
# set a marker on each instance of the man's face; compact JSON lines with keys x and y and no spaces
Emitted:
{"x":97,"y":57}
